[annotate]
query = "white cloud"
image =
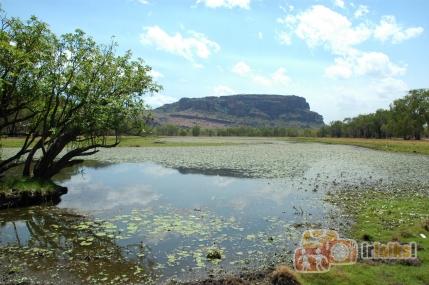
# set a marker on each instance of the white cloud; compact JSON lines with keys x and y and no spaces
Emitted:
{"x":287,"y":9}
{"x":320,"y":26}
{"x":339,"y":3}
{"x":377,"y":64}
{"x":220,"y":90}
{"x":260,"y":35}
{"x":156,"y":74}
{"x":289,"y":20}
{"x":389,"y":88}
{"x":159,"y":100}
{"x":361,"y":11}
{"x":244,"y":4}
{"x":278,"y":77}
{"x":261,"y":80}
{"x":388,"y":29}
{"x":241,"y":68}
{"x":284,"y":38}
{"x":195,"y":45}
{"x":373,"y":64}
{"x":374,"y":79}
{"x":341,"y":69}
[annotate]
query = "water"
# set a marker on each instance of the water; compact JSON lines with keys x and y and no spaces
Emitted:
{"x":165,"y":218}
{"x":148,"y":221}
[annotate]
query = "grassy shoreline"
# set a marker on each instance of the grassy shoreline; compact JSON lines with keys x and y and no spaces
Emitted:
{"x":383,"y":217}
{"x":135,"y":141}
{"x":22,"y":192}
{"x":392,"y":145}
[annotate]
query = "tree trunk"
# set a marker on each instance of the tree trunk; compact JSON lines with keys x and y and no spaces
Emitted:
{"x":27,"y":166}
{"x":417,"y":136}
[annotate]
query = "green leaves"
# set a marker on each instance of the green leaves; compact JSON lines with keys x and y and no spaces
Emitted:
{"x":67,"y":91}
{"x":407,"y":118}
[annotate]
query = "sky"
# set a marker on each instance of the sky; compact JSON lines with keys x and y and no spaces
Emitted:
{"x":345,"y":57}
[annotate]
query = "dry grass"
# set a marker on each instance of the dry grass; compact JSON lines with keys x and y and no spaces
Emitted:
{"x":394,"y":145}
{"x":283,"y":275}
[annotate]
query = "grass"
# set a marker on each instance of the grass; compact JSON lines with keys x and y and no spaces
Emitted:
{"x":135,"y":141}
{"x":394,"y":145}
{"x":131,"y":141}
{"x":384,"y":217}
{"x":11,"y":142}
{"x":14,"y":187}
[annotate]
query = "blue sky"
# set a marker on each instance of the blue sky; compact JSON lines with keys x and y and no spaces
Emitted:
{"x":345,"y":57}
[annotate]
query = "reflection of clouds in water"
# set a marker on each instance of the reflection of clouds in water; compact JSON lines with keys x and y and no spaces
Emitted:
{"x":80,"y":178}
{"x":79,"y":184}
{"x":97,"y":196}
{"x":221,"y":181}
{"x":138,"y":194}
{"x":239,"y":204}
{"x":273,"y":193}
{"x":158,"y":170}
{"x":276,"y":194}
{"x":119,"y":170}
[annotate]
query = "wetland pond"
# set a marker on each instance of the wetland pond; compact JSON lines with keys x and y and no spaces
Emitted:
{"x":148,"y":215}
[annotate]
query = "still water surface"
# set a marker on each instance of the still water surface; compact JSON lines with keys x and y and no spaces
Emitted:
{"x":151,"y":221}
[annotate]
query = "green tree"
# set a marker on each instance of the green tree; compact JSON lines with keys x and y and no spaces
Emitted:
{"x":336,"y":129}
{"x":77,"y":92}
{"x":25,"y":51}
{"x":196,"y":130}
{"x":408,"y":118}
{"x":411,"y":113}
{"x":93,"y":92}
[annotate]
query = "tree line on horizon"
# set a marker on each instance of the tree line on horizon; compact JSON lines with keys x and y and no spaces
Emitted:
{"x":407,"y":118}
{"x":240,"y":131}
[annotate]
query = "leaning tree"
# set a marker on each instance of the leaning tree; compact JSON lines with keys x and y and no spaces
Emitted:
{"x":93,"y":94}
{"x":83,"y":97}
{"x":25,"y":50}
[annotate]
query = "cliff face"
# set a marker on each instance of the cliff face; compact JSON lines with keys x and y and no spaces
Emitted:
{"x":239,"y":110}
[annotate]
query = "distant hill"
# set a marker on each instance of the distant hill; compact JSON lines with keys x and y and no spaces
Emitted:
{"x":254,"y":110}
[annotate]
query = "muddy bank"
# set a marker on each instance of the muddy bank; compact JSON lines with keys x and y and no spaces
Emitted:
{"x":282,"y":275}
{"x":29,"y":197}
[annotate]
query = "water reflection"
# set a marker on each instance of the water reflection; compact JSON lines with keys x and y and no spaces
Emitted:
{"x":47,"y":240}
{"x":119,"y":219}
{"x":227,"y":172}
{"x":130,"y":185}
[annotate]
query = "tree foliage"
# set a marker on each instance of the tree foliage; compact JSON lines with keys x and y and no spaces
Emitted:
{"x":407,"y":117}
{"x":70,"y":93}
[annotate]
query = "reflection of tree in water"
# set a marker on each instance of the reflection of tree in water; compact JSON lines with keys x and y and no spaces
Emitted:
{"x":67,"y":173}
{"x":47,"y":243}
{"x":228,"y":172}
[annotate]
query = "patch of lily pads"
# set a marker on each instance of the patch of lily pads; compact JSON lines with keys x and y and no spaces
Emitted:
{"x":152,"y":243}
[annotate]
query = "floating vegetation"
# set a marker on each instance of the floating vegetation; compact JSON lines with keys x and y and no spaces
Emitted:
{"x":215,"y":209}
{"x":49,"y":241}
{"x":214,"y":253}
{"x":57,"y":239}
{"x":281,"y":159}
